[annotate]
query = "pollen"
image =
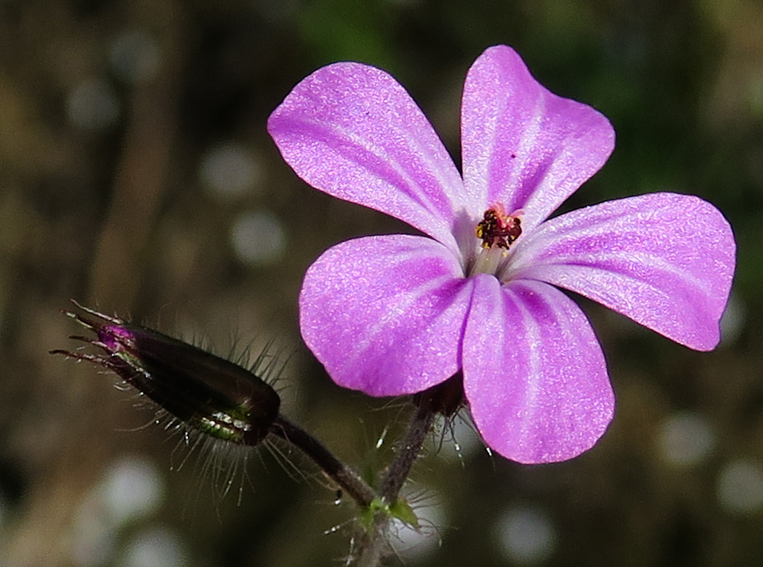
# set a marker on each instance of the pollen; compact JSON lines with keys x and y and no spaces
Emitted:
{"x":497,"y":229}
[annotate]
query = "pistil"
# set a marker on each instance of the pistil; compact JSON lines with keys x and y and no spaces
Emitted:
{"x":497,"y":231}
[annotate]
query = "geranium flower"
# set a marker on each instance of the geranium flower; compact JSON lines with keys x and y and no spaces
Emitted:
{"x":398,"y":314}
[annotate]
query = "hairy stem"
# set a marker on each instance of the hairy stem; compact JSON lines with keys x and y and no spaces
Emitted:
{"x":347,"y":479}
{"x":372,"y":547}
{"x":398,"y":471}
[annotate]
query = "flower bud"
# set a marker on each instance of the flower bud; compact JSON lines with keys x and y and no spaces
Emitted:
{"x":210,"y":394}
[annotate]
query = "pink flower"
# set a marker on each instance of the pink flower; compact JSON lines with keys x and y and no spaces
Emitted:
{"x":398,"y":314}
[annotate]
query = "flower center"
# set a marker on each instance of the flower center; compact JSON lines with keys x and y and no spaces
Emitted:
{"x":498,"y":231}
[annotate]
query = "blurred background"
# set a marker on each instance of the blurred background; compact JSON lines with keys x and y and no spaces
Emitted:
{"x":136,"y":175}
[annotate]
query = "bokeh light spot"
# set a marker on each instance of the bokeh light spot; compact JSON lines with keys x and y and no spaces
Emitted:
{"x":258,"y":238}
{"x":157,"y":547}
{"x":132,"y":489}
{"x":229,"y":171}
{"x":685,"y":439}
{"x":740,"y":487}
{"x":526,"y":535}
{"x":92,"y":105}
{"x":134,"y":56}
{"x":413,"y":544}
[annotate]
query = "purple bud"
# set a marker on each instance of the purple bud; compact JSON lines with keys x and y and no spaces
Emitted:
{"x":211,"y":394}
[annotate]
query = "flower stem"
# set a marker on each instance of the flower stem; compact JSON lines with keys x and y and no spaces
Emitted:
{"x":421,"y":423}
{"x":371,"y":547}
{"x":347,"y":479}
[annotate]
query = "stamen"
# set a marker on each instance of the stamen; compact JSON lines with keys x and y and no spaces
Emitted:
{"x":497,"y":229}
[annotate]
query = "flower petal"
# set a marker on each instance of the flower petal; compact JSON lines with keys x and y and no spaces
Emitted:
{"x":664,"y":260}
{"x":523,"y":146}
{"x":352,"y":131}
{"x":385,"y":314}
{"x":534,"y":373}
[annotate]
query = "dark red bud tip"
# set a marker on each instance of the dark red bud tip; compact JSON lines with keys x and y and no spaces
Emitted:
{"x":211,"y":394}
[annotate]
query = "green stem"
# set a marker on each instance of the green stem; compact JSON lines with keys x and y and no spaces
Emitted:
{"x":398,"y":472}
{"x":345,"y":478}
{"x":371,"y":547}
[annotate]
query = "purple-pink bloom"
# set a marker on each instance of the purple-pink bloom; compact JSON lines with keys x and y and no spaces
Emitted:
{"x":398,"y":314}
